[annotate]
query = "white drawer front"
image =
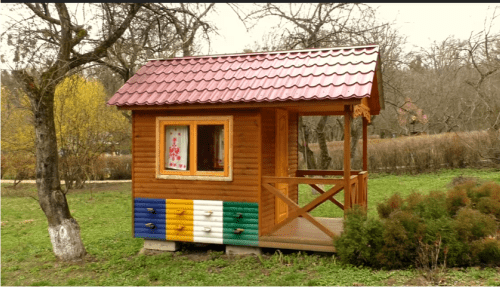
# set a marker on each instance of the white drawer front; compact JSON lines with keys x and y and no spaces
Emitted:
{"x":208,"y":229}
{"x":201,"y":224}
{"x":207,"y":234}
{"x":203,"y":218}
{"x":208,"y":213}
{"x":213,"y":208}
{"x":208,"y":202}
{"x":212,"y":240}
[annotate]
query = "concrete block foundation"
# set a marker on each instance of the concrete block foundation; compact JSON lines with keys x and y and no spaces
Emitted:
{"x":242,"y":250}
{"x":161,"y":245}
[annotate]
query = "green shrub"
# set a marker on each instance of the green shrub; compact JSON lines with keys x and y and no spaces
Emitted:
{"x":488,"y":205}
{"x":474,"y":225}
{"x":427,"y":231}
{"x":484,"y":190}
{"x":393,"y":203}
{"x":468,"y":186}
{"x":433,"y":206}
{"x":361,"y":239}
{"x":413,"y":202}
{"x":429,"y":206}
{"x":455,"y":251}
{"x":401,"y":233}
{"x":486,"y":251}
{"x":456,"y":198}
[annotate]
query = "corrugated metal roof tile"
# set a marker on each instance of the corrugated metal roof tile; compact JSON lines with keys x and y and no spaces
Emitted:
{"x":335,"y":73}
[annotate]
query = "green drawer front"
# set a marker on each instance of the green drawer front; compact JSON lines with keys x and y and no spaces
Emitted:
{"x":245,"y":210}
{"x":253,"y":205}
{"x":243,"y":215}
{"x":232,"y":226}
{"x":253,"y":221}
{"x":241,"y":242}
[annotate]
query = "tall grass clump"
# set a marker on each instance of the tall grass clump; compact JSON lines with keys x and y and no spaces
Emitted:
{"x":454,"y":228}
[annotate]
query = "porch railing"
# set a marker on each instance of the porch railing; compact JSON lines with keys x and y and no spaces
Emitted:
{"x":358,"y":194}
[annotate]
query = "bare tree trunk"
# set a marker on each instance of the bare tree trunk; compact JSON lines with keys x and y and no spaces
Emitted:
{"x":64,"y":231}
{"x":304,"y":148}
{"x":356,"y":133}
{"x":324,"y":157}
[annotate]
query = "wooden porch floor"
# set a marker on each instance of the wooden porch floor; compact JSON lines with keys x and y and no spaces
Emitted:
{"x":301,"y":234}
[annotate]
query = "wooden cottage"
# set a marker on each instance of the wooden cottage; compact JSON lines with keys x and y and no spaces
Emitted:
{"x":215,"y":157}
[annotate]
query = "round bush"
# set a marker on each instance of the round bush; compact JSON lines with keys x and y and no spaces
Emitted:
{"x":402,"y":231}
{"x":393,"y":203}
{"x":453,"y":250}
{"x":473,"y":225}
{"x":486,"y":251}
{"x":456,"y":198}
{"x":361,"y":239}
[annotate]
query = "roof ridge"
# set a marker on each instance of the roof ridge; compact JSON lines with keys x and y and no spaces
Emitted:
{"x":266,"y":52}
{"x":178,"y":61}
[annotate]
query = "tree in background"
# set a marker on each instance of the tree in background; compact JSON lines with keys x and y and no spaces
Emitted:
{"x":160,"y":30}
{"x":85,"y":127}
{"x":18,"y":137}
{"x":49,"y":45}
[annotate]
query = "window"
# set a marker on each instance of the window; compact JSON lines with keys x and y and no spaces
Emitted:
{"x":194,"y":148}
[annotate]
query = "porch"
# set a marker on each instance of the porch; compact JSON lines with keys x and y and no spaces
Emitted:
{"x":294,"y":227}
{"x":302,"y":231}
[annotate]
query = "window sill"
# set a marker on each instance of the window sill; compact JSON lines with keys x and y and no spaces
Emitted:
{"x":195,"y":177}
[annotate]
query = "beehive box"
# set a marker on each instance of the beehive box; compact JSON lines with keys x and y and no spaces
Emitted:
{"x":204,"y":221}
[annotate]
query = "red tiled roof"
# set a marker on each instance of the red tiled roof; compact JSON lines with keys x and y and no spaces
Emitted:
{"x":334,"y":73}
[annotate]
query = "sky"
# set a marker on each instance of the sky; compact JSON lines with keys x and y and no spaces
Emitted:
{"x":422,"y":23}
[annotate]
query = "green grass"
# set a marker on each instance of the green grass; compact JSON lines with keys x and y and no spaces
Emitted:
{"x":382,"y":186}
{"x":114,"y":258}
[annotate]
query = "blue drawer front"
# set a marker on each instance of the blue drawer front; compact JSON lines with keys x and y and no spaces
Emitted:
{"x":142,"y":216}
{"x":142,"y":212}
{"x":140,"y":222}
{"x":150,"y":235}
{"x":149,"y":200}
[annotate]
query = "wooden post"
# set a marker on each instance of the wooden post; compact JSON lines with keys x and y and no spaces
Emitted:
{"x":365,"y":144}
{"x":347,"y":157}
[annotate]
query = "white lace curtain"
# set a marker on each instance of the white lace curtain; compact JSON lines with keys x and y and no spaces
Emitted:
{"x":177,"y":139}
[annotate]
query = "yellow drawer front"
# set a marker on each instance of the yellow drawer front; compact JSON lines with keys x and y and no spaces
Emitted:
{"x":179,"y":220}
{"x":188,"y":202}
{"x":172,"y":213}
{"x":184,"y":234}
{"x":173,"y":223}
{"x":180,"y":238}
{"x":180,"y":227}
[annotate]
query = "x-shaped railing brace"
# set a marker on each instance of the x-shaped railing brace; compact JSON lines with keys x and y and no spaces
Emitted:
{"x":304,"y":210}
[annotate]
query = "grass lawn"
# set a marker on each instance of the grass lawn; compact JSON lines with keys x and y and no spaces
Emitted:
{"x":114,"y":257}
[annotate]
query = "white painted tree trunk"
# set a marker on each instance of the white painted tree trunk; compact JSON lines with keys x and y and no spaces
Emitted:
{"x":66,"y":241}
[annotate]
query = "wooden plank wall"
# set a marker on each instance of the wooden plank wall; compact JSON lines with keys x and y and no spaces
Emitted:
{"x":245,"y":184}
{"x":268,"y":151}
{"x":293,"y":121}
{"x":268,"y":161}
